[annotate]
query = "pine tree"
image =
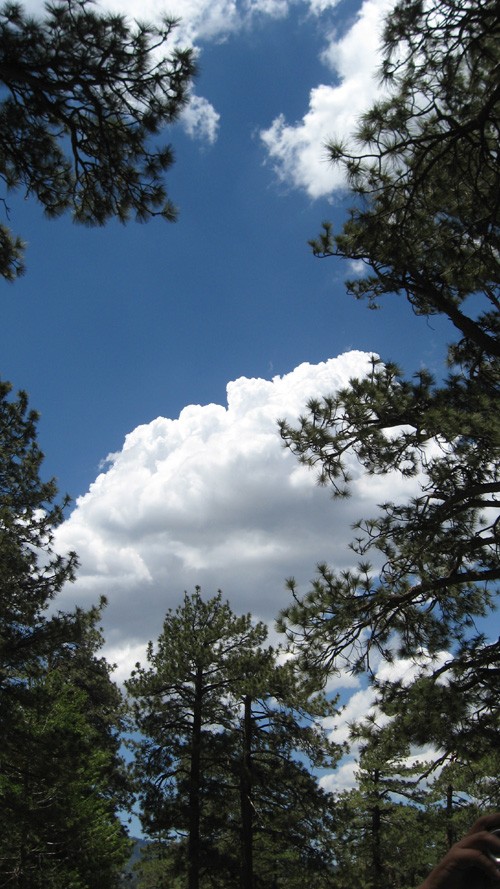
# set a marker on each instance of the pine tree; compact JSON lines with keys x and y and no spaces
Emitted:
{"x":391,"y":837}
{"x":31,"y":572}
{"x":84,"y":93}
{"x":61,"y":776}
{"x":63,"y":779}
{"x":285,"y":819}
{"x":220,"y":780}
{"x":182,"y":709}
{"x":425,"y":226}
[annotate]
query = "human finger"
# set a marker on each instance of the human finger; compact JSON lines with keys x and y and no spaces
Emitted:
{"x":486,"y":822}
{"x":484,"y":841}
{"x":477,"y":856}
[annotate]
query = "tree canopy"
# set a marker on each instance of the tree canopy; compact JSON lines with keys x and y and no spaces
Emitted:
{"x":426,"y":170}
{"x":83,"y":94}
{"x":62,"y":779}
{"x":227,"y":733}
{"x":424,"y":224}
{"x":32,"y":573}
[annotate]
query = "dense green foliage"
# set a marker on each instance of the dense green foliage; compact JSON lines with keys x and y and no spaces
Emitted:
{"x":425,"y":226}
{"x":62,"y":779}
{"x":83,"y":94}
{"x":28,"y":516}
{"x":220,"y":780}
{"x":400,"y":819}
{"x":61,"y":776}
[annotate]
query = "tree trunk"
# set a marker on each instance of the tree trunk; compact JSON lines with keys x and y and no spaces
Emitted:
{"x":450,"y":833}
{"x":377,"y":868}
{"x":193,"y":862}
{"x":246,"y":872}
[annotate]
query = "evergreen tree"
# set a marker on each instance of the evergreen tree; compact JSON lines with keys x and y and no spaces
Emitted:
{"x":285,"y":820}
{"x":404,"y":813}
{"x":31,"y":572}
{"x":84,"y":93}
{"x":63,"y":780}
{"x":387,"y":838}
{"x":384,"y":844}
{"x":182,"y":708}
{"x":462,"y":792}
{"x":61,"y":777}
{"x":220,"y":781}
{"x":425,"y":226}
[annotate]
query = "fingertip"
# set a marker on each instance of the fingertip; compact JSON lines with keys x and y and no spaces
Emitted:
{"x":486,"y":822}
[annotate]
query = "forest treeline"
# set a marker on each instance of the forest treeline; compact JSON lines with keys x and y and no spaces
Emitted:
{"x":228,"y":737}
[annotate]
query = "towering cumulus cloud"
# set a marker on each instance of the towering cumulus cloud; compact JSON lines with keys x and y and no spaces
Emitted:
{"x":211,"y":498}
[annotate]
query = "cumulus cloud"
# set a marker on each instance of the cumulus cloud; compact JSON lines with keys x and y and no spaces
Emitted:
{"x":199,"y":20}
{"x":362,"y":705}
{"x":200,"y":119}
{"x":342,"y":779}
{"x":297,"y":151}
{"x":317,"y":7}
{"x":211,"y":498}
{"x":275,"y":9}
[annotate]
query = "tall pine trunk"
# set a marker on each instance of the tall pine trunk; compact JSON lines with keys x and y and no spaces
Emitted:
{"x":246,"y":871}
{"x":193,"y":862}
{"x":377,"y":867}
{"x":450,"y":832}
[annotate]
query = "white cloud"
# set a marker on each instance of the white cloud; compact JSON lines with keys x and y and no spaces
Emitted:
{"x":199,"y":20}
{"x":211,"y":498}
{"x":407,"y":670}
{"x":317,"y":7}
{"x":273,"y":8}
{"x":362,"y":705}
{"x":341,"y":680}
{"x":342,"y":779}
{"x":297,"y":150}
{"x":200,"y":120}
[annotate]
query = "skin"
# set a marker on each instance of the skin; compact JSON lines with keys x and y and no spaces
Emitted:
{"x":467,"y":865}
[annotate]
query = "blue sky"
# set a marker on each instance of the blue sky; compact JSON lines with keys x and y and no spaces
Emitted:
{"x":113,"y":327}
{"x":176,"y":347}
